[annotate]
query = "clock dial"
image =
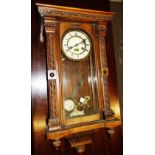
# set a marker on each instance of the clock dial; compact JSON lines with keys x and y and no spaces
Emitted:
{"x":76,"y":45}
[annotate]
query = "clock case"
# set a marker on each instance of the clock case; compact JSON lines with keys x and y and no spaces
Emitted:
{"x":58,"y":20}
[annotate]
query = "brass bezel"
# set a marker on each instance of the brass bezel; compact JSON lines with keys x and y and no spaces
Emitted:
{"x":78,"y":30}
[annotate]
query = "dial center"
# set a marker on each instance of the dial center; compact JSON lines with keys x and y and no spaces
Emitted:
{"x":76,"y":45}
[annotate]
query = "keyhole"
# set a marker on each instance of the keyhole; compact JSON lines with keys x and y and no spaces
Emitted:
{"x":51,"y":74}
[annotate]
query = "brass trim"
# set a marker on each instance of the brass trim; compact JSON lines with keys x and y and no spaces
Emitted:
{"x":105,"y":72}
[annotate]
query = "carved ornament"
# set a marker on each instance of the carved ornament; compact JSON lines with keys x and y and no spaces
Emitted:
{"x":69,"y":12}
{"x":50,"y":26}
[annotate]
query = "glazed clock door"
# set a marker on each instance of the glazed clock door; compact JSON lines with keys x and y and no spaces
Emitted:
{"x":79,"y":72}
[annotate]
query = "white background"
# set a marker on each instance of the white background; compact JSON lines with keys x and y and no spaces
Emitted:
{"x":139,"y":77}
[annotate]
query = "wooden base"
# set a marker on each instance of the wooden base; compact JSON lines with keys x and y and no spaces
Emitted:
{"x":69,"y":131}
{"x":79,"y":144}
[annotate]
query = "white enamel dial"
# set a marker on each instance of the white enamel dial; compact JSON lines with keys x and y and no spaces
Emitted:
{"x":69,"y":105}
{"x":76,"y":45}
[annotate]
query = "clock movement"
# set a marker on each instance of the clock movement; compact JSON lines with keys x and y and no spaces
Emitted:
{"x":77,"y":74}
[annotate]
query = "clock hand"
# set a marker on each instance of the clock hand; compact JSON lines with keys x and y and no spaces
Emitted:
{"x":83,"y":41}
{"x":70,"y":47}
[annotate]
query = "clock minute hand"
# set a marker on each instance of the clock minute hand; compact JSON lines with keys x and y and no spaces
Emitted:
{"x":83,"y":41}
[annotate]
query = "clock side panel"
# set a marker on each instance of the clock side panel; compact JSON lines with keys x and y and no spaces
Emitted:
{"x":80,"y":80}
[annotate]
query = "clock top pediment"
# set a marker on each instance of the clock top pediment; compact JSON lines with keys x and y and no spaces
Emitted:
{"x":73,"y":13}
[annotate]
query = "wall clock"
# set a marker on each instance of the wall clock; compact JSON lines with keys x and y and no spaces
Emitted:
{"x":77,"y":74}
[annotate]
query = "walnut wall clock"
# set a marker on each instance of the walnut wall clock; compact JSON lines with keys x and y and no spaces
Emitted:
{"x":77,"y":74}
